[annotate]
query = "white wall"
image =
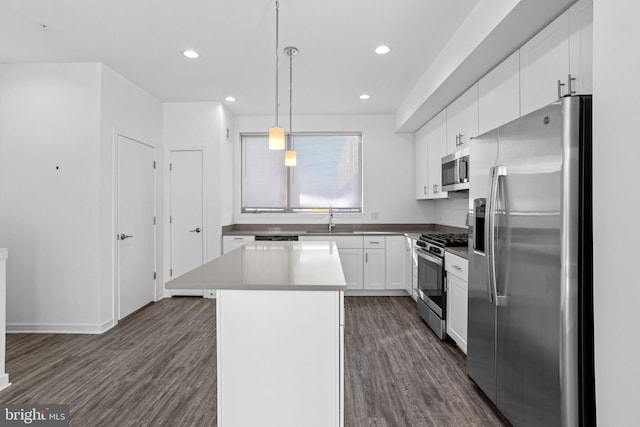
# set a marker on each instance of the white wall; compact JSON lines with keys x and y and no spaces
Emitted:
{"x":203,"y":125}
{"x":56,"y":189}
{"x":452,"y":211}
{"x":616,"y":66}
{"x":388,"y":169}
{"x":49,"y":203}
{"x":126,"y":110}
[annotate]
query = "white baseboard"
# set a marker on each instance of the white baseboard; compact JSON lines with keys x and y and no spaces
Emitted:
{"x":59,"y":328}
{"x":4,"y":381}
{"x":376,"y":293}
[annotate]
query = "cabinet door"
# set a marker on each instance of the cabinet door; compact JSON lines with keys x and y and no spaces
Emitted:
{"x":351,"y":260}
{"x":374,"y":269}
{"x":395,"y":262}
{"x":581,"y":46}
{"x":436,"y":149}
{"x":462,"y":120}
{"x":543,"y":61}
{"x":499,"y":95}
{"x":408,"y":265}
{"x":457,"y":307}
{"x":422,"y":184}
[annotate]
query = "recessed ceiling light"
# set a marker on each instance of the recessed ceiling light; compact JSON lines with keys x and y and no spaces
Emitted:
{"x":382,"y":50}
{"x":191,"y":54}
{"x":365,"y":96}
{"x":230,"y":99}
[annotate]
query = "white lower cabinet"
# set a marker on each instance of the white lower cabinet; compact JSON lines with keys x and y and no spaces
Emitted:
{"x":395,"y":247}
{"x":230,"y":243}
{"x":374,"y":269}
{"x":457,"y":298}
{"x":352,"y":260}
{"x":374,"y":262}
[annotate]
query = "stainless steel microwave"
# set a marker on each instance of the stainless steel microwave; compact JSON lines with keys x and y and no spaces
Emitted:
{"x":455,"y":171}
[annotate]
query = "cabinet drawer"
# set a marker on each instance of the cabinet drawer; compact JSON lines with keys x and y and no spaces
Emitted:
{"x":374,"y":242}
{"x":456,"y":265}
{"x":239,"y":238}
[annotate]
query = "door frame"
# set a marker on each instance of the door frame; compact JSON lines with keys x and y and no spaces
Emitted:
{"x":167,"y":208}
{"x":115,"y":203}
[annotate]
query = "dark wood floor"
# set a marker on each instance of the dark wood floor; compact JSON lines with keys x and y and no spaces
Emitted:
{"x":157,"y":368}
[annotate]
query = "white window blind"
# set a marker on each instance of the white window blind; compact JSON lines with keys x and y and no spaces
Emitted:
{"x":328,"y":173}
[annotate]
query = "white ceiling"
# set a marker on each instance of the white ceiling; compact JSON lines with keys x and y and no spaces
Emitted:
{"x":143,"y":40}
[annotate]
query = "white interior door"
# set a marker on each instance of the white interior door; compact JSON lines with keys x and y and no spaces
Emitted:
{"x":186,"y":207}
{"x":136,"y":237}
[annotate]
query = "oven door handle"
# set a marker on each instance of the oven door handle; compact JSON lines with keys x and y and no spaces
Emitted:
{"x":422,"y":254}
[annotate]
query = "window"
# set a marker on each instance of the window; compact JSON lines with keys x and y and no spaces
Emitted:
{"x":328,"y":173}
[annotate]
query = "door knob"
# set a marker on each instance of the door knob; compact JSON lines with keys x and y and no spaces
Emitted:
{"x":124,"y":236}
{"x":197,"y":230}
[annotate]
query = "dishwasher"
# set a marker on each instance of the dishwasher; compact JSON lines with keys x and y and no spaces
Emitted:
{"x":276,"y":238}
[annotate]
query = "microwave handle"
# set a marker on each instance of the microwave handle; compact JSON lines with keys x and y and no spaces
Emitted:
{"x":456,"y":171}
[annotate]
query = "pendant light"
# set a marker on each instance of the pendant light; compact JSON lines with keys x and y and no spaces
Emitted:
{"x":290,"y":158}
{"x":276,"y":133}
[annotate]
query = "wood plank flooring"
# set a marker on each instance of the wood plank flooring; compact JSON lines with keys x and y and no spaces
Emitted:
{"x":157,"y":368}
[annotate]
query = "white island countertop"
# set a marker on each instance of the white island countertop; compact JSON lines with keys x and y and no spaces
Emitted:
{"x":270,"y":265}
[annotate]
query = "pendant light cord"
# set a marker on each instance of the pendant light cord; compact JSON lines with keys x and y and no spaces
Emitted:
{"x":277,"y":63}
{"x":291,"y":99}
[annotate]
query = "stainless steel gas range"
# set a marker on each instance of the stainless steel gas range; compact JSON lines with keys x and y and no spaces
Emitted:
{"x":432,"y":292}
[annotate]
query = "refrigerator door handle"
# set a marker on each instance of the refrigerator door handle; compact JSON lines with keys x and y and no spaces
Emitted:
{"x":496,"y":173}
{"x":488,"y":225}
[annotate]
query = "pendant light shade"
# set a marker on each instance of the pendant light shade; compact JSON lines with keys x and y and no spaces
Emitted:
{"x":290,"y":158}
{"x":276,"y":138}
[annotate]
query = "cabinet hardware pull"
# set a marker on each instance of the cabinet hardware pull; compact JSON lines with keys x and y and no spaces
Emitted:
{"x":460,"y":139}
{"x":366,"y":257}
{"x":569,"y":80}
{"x":425,"y":190}
{"x":560,"y":84}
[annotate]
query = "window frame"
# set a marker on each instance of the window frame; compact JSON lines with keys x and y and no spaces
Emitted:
{"x":290,"y":169}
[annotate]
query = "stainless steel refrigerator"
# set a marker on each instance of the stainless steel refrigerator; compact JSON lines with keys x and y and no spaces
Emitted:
{"x":530,"y":327}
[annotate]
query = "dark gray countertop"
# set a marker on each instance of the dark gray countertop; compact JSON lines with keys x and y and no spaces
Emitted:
{"x":462,"y":252}
{"x":411,"y":230}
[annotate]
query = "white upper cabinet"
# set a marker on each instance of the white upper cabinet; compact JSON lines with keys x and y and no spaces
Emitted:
{"x":422,"y":173}
{"x":431,"y":146}
{"x":581,"y":46}
{"x":499,"y":94}
{"x":544,"y":65}
{"x":558,"y":60}
{"x":436,"y":149}
{"x":462,"y":120}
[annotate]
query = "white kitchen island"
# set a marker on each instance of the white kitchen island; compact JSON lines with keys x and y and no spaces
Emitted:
{"x":280,"y":331}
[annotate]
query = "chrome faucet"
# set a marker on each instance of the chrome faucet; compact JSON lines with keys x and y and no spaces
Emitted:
{"x":331,"y":224}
